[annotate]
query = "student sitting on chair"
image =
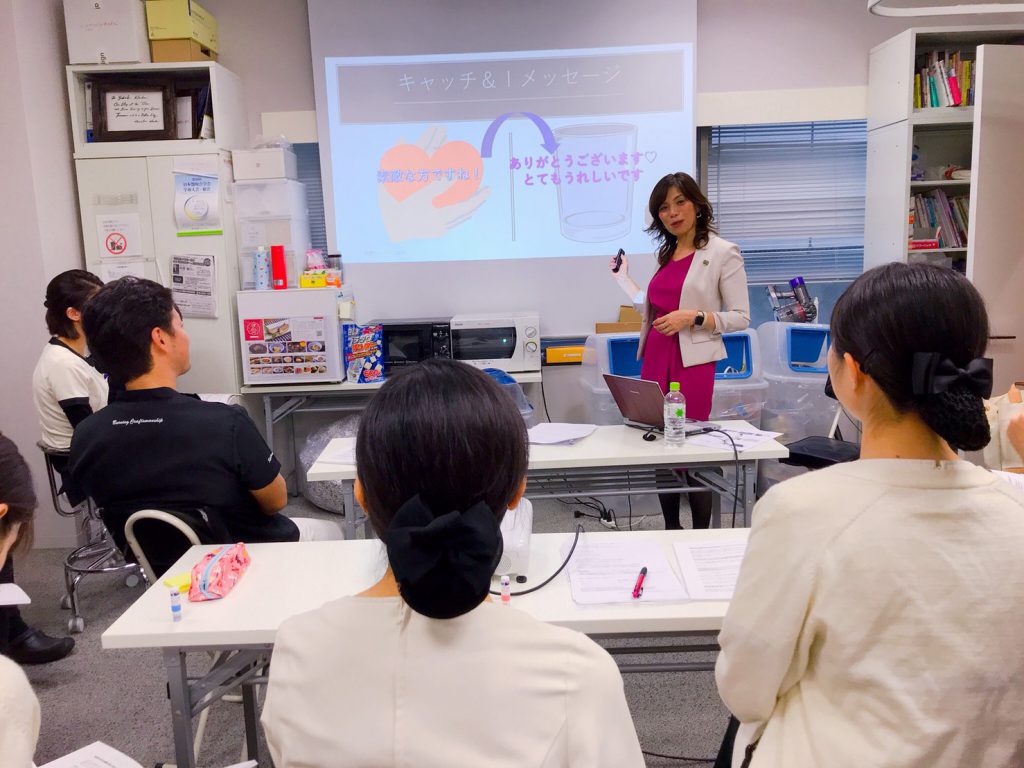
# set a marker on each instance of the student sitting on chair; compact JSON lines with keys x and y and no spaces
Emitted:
{"x":156,"y":448}
{"x":66,"y":387}
{"x":876,"y":620}
{"x":422,"y":669}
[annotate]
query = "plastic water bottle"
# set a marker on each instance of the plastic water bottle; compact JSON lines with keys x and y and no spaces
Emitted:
{"x":675,"y":416}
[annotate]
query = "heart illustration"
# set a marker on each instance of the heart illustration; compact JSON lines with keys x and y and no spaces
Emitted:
{"x":418,"y":170}
{"x":651,"y":156}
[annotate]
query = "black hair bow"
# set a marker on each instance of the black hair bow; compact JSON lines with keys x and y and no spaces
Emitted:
{"x":934,"y":374}
{"x":443,"y":564}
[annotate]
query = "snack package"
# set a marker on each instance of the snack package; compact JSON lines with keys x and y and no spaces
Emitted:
{"x":364,"y":353}
{"x":218,"y":572}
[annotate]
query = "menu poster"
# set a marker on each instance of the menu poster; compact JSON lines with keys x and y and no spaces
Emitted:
{"x":279,"y":349}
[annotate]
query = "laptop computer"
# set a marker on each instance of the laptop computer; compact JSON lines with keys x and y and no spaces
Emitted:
{"x":642,"y":404}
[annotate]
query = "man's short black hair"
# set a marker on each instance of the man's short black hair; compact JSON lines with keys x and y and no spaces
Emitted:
{"x":119,"y":322}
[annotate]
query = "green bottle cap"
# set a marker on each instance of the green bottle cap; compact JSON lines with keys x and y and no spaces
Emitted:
{"x":673,"y":386}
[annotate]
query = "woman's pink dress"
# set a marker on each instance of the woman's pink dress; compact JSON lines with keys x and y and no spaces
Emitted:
{"x":662,"y":361}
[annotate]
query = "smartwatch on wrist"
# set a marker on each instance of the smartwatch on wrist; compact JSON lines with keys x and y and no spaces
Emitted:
{"x":699,"y":319}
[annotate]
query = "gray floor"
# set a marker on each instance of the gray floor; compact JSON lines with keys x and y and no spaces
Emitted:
{"x":120,"y":696}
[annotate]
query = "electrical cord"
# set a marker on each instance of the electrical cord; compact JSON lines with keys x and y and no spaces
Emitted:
{"x":544,"y":399}
{"x":682,"y":758}
{"x":549,"y":579}
{"x":736,"y":460}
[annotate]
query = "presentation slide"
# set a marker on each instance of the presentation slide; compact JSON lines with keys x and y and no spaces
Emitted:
{"x":515,"y":155}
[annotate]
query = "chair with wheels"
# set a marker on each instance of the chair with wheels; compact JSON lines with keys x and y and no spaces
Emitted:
{"x":97,"y":553}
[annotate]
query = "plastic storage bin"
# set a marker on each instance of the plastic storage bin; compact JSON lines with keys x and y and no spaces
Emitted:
{"x":603,"y":353}
{"x":515,"y":391}
{"x":271,"y":212}
{"x":740,"y":388}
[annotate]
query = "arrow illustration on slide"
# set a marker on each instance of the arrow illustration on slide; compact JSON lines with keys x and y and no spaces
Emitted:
{"x":549,"y":142}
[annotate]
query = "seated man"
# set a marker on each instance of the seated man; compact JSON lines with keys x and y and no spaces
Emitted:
{"x":156,"y":448}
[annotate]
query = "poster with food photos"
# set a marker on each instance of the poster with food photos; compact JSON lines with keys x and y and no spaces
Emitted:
{"x":282,"y":349}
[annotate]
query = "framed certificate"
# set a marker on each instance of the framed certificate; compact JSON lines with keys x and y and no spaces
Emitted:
{"x":133,"y":111}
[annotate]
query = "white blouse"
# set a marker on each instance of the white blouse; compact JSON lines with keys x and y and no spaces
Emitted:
{"x":879,"y":620}
{"x":367,"y":682}
{"x":19,"y":717}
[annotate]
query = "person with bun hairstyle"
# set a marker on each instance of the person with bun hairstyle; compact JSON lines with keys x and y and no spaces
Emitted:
{"x":19,"y":707}
{"x":66,"y":387}
{"x":876,"y":620}
{"x":422,"y":669}
{"x":698,"y":292}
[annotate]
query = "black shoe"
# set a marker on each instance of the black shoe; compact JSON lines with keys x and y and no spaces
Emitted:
{"x":33,"y":646}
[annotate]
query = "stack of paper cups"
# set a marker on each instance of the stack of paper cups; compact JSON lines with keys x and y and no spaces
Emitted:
{"x":261,"y":268}
{"x":278,"y":268}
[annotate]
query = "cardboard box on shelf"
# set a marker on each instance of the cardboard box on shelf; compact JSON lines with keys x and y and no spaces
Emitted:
{"x":617,"y":327}
{"x":628,"y":314}
{"x":180,"y":50}
{"x":267,"y":163}
{"x":111,"y":32}
{"x":181,"y":19}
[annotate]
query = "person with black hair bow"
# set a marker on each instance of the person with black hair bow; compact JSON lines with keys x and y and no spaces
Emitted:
{"x":876,"y":619}
{"x":422,"y":669}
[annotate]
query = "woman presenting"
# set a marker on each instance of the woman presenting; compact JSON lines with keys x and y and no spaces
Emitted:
{"x":698,"y":293}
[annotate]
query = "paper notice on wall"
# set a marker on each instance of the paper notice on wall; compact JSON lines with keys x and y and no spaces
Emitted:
{"x":194,"y":284}
{"x":111,"y":269}
{"x":118,"y":235}
{"x":197,"y":204}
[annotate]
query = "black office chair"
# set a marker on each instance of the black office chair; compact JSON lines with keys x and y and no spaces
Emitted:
{"x":99,"y":553}
{"x":818,"y":452}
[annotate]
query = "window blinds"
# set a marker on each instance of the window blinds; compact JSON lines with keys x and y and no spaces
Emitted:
{"x":307,"y":158}
{"x":791,"y":195}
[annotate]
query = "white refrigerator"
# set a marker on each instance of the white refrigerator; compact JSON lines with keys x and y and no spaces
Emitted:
{"x":290,"y":337}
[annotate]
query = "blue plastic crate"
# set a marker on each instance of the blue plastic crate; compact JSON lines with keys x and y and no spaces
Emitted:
{"x":737,"y":361}
{"x":622,"y":357}
{"x":807,"y":349}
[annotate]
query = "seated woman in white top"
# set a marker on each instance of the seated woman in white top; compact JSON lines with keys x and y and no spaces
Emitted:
{"x":422,"y":669}
{"x":66,"y":387}
{"x":877,"y":619}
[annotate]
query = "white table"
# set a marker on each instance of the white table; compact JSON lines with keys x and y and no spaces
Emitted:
{"x":320,"y":398}
{"x":613,"y":461}
{"x":287,"y":579}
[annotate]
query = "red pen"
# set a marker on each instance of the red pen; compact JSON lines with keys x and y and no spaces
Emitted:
{"x":639,"y":588}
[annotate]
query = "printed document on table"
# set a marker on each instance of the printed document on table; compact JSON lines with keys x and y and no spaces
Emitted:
{"x":710,"y":568}
{"x":12,"y":594}
{"x":744,"y":439}
{"x":554,"y":433}
{"x":96,"y":755}
{"x":341,"y":450}
{"x":604,"y":572}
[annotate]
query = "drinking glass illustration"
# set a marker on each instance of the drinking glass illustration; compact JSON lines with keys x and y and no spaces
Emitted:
{"x":596,"y":205}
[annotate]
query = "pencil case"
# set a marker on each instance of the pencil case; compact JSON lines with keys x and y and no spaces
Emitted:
{"x":218,"y":572}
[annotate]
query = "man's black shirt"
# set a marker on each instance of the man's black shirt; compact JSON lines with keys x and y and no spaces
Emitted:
{"x":159,"y":449}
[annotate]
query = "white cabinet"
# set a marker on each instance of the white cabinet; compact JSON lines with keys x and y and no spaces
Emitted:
{"x":986,"y":139}
{"x":130,"y":186}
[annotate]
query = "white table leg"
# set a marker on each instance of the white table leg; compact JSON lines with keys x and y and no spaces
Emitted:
{"x":181,"y":707}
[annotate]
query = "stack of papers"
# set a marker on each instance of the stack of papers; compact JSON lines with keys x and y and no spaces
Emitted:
{"x":559,"y":434}
{"x":710,"y":568}
{"x":100,"y":755}
{"x":605,"y":572}
{"x":744,"y":439}
{"x":340,"y":451}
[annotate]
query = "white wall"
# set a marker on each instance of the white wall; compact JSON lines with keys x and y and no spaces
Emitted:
{"x":812,"y":54}
{"x":38,"y":216}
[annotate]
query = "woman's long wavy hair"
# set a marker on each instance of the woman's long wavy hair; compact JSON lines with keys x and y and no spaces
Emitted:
{"x":691,"y":191}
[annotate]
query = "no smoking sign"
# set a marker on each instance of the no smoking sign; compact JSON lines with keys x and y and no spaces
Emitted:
{"x":115,"y":244}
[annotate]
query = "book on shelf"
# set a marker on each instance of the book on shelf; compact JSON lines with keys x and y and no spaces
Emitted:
{"x":943,"y":79}
{"x":947,"y":215}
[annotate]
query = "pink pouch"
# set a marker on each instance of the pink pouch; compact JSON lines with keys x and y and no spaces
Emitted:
{"x":218,"y":572}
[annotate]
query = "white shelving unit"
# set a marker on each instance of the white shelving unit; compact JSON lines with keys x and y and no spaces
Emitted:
{"x":135,"y":180}
{"x":986,"y":138}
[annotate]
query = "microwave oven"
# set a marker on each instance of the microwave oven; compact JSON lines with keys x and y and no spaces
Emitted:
{"x":508,"y":341}
{"x":409,"y":341}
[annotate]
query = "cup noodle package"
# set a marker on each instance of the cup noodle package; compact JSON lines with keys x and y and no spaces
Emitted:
{"x":364,"y":353}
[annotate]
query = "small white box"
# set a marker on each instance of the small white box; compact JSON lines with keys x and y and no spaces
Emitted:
{"x":106,"y":31}
{"x":270,"y":163}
